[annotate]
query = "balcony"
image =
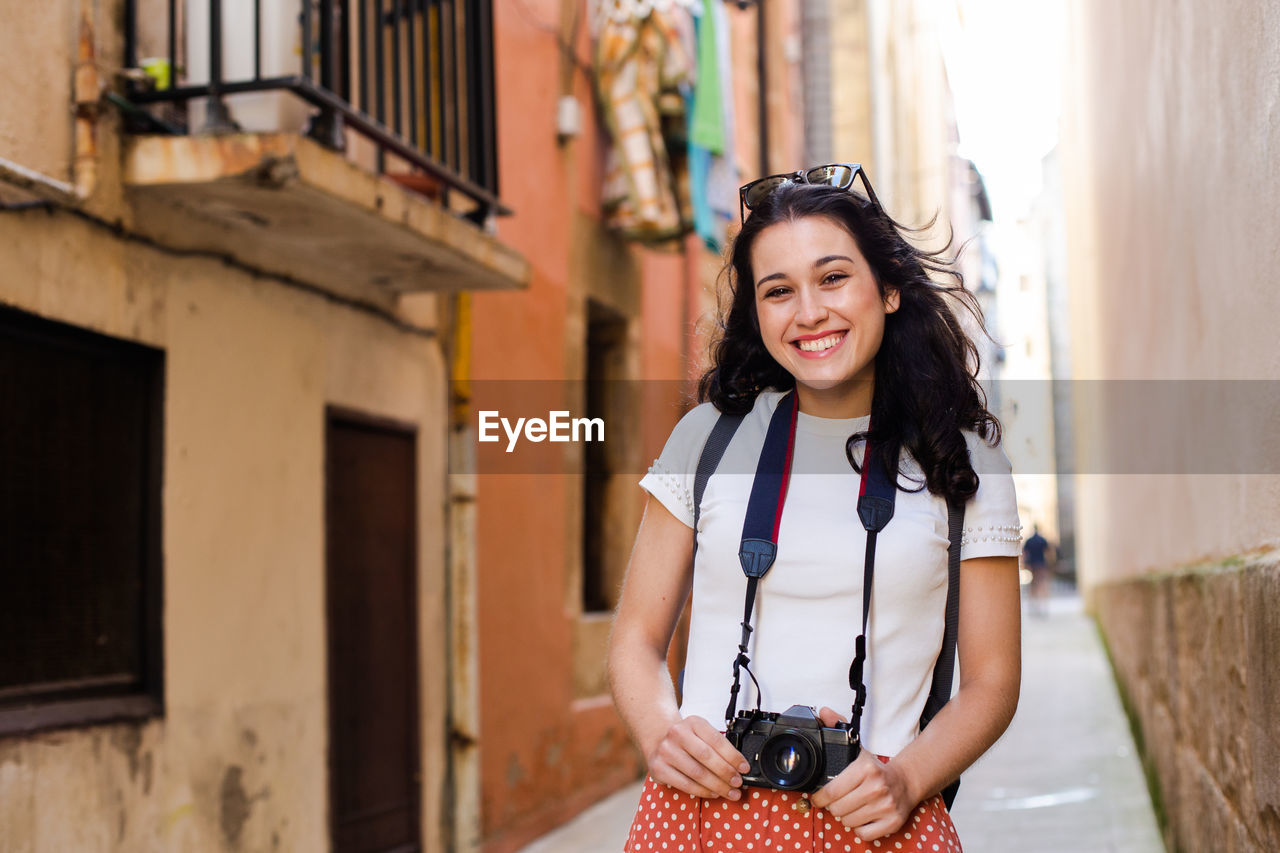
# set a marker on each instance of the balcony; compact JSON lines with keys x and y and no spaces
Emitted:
{"x":348,"y":143}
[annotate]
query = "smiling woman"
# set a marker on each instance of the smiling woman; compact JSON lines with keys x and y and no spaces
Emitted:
{"x":841,"y":373}
{"x":821,"y":313}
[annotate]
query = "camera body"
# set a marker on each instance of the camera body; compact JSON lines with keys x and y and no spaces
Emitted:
{"x":792,"y":751}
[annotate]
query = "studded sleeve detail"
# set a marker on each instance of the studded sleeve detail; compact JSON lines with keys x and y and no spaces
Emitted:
{"x":991,"y":533}
{"x":673,"y":483}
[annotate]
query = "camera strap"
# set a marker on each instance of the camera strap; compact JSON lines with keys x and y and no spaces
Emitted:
{"x":759,"y":544}
{"x":759,"y":547}
{"x":876,"y":495}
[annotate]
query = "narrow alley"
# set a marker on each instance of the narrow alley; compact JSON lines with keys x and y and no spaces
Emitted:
{"x":1064,"y":778}
{"x":344,"y":344}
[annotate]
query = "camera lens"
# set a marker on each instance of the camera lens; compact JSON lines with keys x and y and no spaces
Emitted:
{"x":789,"y":760}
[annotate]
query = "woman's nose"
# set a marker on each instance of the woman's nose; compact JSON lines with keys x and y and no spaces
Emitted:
{"x":811,"y":310}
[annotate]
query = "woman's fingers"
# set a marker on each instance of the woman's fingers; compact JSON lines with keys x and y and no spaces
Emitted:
{"x":875,"y":829}
{"x":829,"y":717}
{"x":709,"y":783}
{"x":839,"y":789}
{"x":712,"y":737}
{"x":696,"y":758}
{"x":868,"y":797}
{"x":673,"y":778}
{"x":861,"y":806}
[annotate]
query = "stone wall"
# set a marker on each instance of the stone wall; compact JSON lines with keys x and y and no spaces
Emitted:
{"x":1194,"y":654}
{"x":239,"y":760}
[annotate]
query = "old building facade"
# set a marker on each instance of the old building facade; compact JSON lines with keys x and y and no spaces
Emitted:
{"x":272,"y":269}
{"x":230,"y":623}
{"x":252,"y":264}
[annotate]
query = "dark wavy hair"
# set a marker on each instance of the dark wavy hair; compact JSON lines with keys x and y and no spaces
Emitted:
{"x":926,"y":389}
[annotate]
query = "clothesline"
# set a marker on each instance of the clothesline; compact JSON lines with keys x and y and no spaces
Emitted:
{"x":664,"y":74}
{"x":622,"y":11}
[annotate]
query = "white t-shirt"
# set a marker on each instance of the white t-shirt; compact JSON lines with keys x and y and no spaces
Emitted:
{"x":809,"y":606}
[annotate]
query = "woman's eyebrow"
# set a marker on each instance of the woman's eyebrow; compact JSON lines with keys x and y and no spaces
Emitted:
{"x":829,"y":258}
{"x":771,"y":277}
{"x":820,"y":262}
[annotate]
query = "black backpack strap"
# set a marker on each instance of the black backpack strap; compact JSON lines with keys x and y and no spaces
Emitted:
{"x":712,"y":452}
{"x":944,"y":669}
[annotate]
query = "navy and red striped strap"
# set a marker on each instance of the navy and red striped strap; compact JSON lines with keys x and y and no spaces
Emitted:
{"x":769,"y":491}
{"x":759,"y":546}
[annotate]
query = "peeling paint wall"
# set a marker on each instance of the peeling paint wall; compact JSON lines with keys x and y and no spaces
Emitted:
{"x":239,"y":760}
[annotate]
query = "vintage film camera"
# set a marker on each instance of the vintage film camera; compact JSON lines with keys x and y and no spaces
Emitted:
{"x":792,"y":751}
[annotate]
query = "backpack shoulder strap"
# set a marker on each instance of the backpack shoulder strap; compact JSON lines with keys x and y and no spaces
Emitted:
{"x":712,"y":452}
{"x":944,"y":669}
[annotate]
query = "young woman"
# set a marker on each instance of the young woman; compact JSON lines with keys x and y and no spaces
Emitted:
{"x":832,"y":305}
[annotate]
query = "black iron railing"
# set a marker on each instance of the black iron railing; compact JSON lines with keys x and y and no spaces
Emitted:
{"x":413,"y":76}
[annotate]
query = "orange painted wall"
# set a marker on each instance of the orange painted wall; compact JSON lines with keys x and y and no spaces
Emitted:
{"x":545,"y":756}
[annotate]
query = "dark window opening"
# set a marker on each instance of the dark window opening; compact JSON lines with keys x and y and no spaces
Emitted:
{"x":81,"y":438}
{"x":606,"y":357}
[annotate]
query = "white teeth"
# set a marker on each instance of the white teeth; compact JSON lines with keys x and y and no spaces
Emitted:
{"x":820,"y":344}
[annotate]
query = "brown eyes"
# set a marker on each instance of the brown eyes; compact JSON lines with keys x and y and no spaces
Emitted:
{"x":828,"y":280}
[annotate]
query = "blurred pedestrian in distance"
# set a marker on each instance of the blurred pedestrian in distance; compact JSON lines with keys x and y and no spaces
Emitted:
{"x":1038,"y":556}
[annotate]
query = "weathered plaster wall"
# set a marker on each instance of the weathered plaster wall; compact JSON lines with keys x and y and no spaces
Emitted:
{"x":1170,"y":132}
{"x":239,"y":760}
{"x":36,"y":118}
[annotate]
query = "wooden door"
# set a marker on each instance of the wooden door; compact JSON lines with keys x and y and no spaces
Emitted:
{"x":371,"y":595}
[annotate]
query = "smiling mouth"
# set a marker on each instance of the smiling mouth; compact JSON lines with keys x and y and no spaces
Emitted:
{"x":820,"y":344}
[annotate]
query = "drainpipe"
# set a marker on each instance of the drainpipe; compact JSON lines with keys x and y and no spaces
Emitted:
{"x":86,"y":94}
{"x":463,"y":806}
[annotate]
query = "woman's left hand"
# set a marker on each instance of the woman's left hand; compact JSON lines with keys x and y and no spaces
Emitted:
{"x":870,"y":797}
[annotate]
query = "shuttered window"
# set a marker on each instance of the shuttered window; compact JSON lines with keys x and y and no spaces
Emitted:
{"x":81,"y":439}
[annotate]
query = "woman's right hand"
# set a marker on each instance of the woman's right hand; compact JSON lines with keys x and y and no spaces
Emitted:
{"x":688,"y":754}
{"x":696,"y":758}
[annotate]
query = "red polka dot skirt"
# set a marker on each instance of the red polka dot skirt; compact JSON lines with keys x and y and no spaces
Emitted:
{"x":668,"y":821}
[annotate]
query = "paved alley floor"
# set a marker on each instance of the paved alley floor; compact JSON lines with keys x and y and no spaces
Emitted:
{"x":1063,"y":779}
{"x":1065,"y":776}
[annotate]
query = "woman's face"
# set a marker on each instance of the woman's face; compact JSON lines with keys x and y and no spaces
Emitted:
{"x":820,"y":312}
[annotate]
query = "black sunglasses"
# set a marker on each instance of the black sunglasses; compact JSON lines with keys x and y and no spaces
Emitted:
{"x":838,"y":175}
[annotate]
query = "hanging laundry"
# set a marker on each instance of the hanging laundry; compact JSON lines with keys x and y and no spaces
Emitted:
{"x":724,"y":176}
{"x":704,"y":218}
{"x":713,"y":164}
{"x":644,"y":68}
{"x":706,"y":127}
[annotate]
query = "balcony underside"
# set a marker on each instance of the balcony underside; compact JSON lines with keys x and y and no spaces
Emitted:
{"x":288,"y":206}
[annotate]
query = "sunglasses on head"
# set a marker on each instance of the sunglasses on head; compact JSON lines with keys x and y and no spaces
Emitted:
{"x":838,"y":175}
